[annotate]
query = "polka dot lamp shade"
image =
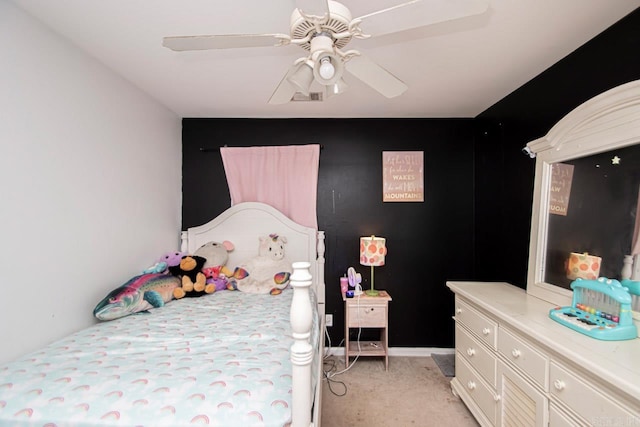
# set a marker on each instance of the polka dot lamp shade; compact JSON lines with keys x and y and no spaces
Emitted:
{"x":583,"y":266}
{"x":372,"y":251}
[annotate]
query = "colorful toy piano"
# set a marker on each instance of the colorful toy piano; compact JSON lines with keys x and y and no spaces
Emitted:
{"x":634,"y":289}
{"x":600,"y":308}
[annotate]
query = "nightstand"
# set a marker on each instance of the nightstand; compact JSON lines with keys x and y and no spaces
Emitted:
{"x":366,"y":311}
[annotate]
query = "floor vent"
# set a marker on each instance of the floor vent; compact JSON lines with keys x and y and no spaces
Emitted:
{"x":313,"y":96}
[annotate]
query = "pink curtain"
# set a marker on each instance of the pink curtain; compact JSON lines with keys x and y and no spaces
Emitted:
{"x":285,"y":177}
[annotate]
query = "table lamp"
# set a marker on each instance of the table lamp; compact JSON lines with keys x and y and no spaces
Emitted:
{"x":372,"y":252}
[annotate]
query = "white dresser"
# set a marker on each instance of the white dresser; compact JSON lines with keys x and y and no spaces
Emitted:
{"x":517,"y":367}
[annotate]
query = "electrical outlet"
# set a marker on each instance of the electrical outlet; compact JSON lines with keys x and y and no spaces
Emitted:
{"x":328,"y":319}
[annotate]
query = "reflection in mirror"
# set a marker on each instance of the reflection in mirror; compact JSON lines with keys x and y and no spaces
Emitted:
{"x":585,"y":198}
{"x":592,"y":216}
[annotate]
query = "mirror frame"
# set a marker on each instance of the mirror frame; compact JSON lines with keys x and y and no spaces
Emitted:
{"x":608,"y":121}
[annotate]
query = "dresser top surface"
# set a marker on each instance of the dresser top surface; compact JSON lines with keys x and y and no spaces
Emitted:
{"x":618,"y":362}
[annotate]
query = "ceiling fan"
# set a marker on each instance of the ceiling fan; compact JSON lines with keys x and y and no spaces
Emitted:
{"x":323,"y":28}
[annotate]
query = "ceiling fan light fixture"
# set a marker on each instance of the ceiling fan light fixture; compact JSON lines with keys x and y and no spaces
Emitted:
{"x":302,"y":77}
{"x":326,"y":70}
{"x":327,"y":65}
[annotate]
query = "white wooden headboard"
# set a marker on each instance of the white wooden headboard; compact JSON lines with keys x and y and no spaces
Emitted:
{"x":244,"y":223}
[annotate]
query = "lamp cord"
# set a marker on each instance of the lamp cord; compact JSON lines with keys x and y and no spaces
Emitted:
{"x":331,"y":372}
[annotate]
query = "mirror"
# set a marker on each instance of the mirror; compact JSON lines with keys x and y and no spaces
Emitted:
{"x":592,"y":215}
{"x":585,"y":200}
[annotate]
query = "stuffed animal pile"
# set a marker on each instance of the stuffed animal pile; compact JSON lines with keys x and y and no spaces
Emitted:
{"x":178,"y":275}
{"x":268,"y":272}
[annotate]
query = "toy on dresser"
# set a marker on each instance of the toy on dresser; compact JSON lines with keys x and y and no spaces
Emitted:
{"x":600,"y":308}
{"x":634,"y":289}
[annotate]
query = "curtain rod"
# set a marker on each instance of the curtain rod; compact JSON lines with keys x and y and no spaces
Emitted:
{"x":217,"y":149}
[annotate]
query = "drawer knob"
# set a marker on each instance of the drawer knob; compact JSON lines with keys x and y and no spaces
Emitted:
{"x":471,"y":352}
{"x":471,"y":385}
{"x":458,"y":310}
{"x":515,"y":353}
{"x":486,"y":331}
{"x":559,"y":384}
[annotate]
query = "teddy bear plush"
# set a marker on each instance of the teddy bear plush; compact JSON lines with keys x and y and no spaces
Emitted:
{"x":192,"y":279}
{"x":215,"y":268}
{"x":268,"y":272}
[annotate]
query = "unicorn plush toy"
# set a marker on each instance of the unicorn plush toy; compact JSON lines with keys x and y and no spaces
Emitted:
{"x":268,"y":272}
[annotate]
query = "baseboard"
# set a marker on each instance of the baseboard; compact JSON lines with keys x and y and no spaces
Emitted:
{"x":401,"y":351}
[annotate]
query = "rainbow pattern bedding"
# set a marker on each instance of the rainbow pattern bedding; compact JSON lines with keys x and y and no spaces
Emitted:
{"x":221,"y":359}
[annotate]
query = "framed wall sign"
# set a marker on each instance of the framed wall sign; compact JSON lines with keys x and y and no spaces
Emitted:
{"x":402,"y":176}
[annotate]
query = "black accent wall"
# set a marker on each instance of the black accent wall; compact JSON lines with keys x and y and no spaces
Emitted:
{"x":428,"y":243}
{"x":474,"y":223}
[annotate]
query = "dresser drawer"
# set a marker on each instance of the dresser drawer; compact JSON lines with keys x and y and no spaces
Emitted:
{"x":367,"y":315}
{"x":583,"y":398}
{"x":476,"y":354}
{"x":483,"y":396}
{"x":524,"y":356}
{"x":485,"y":328}
{"x":557,"y":418}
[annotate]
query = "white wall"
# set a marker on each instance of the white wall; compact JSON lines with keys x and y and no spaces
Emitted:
{"x":90,"y":183}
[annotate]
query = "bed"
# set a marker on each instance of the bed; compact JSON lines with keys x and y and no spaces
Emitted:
{"x":227,"y":359}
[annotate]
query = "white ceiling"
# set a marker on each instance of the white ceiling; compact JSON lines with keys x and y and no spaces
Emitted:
{"x":453,"y":69}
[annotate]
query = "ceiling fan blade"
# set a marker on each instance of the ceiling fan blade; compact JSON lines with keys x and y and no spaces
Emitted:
{"x":419,"y":13}
{"x":227,"y":41}
{"x":285,"y":90}
{"x":313,"y":7}
{"x":375,"y":76}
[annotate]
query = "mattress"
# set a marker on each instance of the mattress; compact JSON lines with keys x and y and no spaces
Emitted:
{"x":221,"y":359}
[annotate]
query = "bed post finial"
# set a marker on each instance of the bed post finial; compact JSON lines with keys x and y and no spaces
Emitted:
{"x":319,"y":273}
{"x":301,"y":349}
{"x":184,"y":241}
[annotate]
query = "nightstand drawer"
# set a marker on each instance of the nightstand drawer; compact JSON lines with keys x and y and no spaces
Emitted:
{"x":367,"y":311}
{"x":367,"y":315}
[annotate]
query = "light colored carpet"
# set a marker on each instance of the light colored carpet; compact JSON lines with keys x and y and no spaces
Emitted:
{"x":414,"y":392}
